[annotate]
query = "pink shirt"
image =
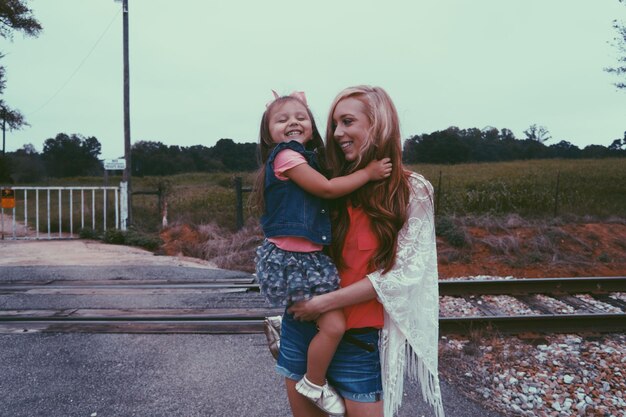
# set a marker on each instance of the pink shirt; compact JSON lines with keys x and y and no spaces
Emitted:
{"x":284,"y":161}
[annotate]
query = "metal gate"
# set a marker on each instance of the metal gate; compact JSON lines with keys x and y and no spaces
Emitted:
{"x":59,"y":212}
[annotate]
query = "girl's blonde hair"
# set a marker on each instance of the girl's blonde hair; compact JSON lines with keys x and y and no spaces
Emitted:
{"x":386,"y":201}
{"x":267,"y":144}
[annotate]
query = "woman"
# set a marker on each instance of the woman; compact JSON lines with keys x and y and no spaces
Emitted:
{"x":383,"y":243}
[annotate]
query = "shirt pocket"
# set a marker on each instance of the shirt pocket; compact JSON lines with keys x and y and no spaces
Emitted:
{"x":361,"y":250}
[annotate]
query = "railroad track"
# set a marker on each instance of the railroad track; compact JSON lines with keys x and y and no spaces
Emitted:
{"x":543,"y":305}
{"x":552,"y":305}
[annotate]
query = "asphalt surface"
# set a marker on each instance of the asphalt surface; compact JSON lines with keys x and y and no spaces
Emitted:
{"x":155,"y":375}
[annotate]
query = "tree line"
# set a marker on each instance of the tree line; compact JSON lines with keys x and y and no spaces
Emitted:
{"x":454,"y":146}
{"x":156,"y":158}
{"x":77,"y":155}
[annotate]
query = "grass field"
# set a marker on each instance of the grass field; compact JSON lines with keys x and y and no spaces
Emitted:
{"x":590,"y":187}
{"x":594,"y":188}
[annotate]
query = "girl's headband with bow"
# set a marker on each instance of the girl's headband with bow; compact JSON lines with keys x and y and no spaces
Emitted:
{"x":296,"y":94}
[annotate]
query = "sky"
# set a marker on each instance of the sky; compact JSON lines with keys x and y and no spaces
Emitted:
{"x":204,"y":70}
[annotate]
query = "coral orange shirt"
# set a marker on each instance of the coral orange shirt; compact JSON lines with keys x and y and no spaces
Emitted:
{"x":359,"y":247}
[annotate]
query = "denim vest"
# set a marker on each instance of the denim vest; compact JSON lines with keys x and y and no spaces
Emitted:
{"x":289,"y":210}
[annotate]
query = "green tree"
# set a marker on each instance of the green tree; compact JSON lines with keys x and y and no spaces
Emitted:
{"x":27,"y":165}
{"x":5,"y":170}
{"x":10,"y":119}
{"x":618,"y":146}
{"x":14,"y":16}
{"x":620,"y":43}
{"x":442,"y":147}
{"x":235,"y":156}
{"x":155,"y":158}
{"x":595,"y":151}
{"x":538,"y":133}
{"x":506,"y":134}
{"x":68,"y":156}
{"x":202,"y":158}
{"x":565,"y":149}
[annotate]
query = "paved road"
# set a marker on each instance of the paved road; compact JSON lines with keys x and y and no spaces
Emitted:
{"x":124,"y":375}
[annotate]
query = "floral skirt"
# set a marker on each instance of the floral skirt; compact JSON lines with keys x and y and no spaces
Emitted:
{"x":287,"y":277}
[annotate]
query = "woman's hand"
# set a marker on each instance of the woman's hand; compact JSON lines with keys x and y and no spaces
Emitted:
{"x":307,"y":310}
{"x":356,"y":293}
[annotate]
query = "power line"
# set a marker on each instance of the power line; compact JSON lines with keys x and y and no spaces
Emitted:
{"x":79,"y":65}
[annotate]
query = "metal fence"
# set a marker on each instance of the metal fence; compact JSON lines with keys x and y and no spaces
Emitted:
{"x":59,"y":212}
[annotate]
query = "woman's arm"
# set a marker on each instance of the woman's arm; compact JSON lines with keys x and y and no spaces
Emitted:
{"x":360,"y":291}
{"x":412,"y":278}
{"x":415,"y":245}
{"x":409,"y":293}
{"x":415,"y":268}
{"x":315,"y":183}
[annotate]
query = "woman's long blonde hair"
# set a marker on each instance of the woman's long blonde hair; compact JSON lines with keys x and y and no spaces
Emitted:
{"x":386,"y":201}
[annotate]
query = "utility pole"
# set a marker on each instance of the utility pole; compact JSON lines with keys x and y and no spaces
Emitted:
{"x":128,"y":170}
{"x":4,"y":122}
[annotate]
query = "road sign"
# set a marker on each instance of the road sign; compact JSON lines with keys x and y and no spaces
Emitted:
{"x":115,"y":164}
{"x":8,"y":198}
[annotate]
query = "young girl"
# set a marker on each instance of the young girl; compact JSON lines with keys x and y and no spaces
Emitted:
{"x":290,"y":264}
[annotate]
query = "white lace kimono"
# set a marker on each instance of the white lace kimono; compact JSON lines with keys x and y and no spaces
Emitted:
{"x":410,"y":295}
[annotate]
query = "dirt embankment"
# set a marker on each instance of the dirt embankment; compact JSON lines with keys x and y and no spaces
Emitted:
{"x":526,"y":250}
{"x":571,"y":250}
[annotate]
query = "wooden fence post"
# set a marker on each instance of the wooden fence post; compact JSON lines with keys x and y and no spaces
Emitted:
{"x":556,"y":194}
{"x":438,"y":198}
{"x":161,"y":189}
{"x":239,"y":198}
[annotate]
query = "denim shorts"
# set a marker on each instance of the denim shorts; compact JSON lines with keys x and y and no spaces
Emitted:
{"x":354,"y":370}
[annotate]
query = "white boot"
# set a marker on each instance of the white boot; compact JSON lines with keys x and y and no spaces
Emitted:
{"x":325,"y":397}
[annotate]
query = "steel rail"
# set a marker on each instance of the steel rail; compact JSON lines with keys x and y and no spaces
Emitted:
{"x":238,"y":321}
{"x":544,"y":323}
{"x":599,"y":285}
{"x":130,"y":290}
{"x":125,"y":282}
{"x":572,"y":323}
{"x":16,"y":288}
{"x":128,"y":286}
{"x":211,"y":321}
{"x":68,"y":315}
{"x":134,"y":326}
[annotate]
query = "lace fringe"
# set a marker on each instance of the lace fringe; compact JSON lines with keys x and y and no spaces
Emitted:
{"x":413,"y":367}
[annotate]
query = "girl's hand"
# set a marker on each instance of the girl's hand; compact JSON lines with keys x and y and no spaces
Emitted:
{"x":379,"y":170}
{"x":306,"y":310}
